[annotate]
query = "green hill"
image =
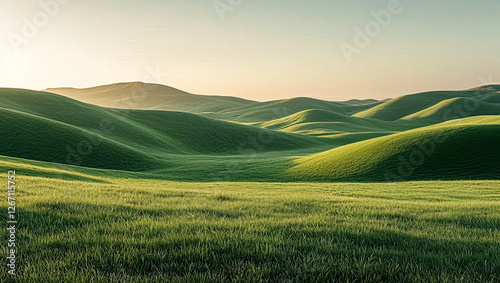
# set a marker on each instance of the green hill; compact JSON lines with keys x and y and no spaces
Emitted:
{"x":486,"y":88}
{"x":359,"y":102}
{"x":145,"y":96}
{"x":112,"y":124}
{"x":407,"y":105}
{"x":281,"y":108}
{"x":400,"y":107}
{"x":272,"y":110}
{"x":46,"y":125}
{"x":455,"y":108}
{"x":321,"y":121}
{"x":36,"y":138}
{"x":445,"y":152}
{"x":476,"y":120}
{"x":492,"y":98}
{"x":206,"y":135}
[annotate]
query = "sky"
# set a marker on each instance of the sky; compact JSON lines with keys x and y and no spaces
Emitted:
{"x":255,"y":49}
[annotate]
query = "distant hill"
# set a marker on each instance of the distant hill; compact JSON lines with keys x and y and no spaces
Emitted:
{"x":271,"y":110}
{"x":145,"y":96}
{"x":455,"y":108}
{"x":407,"y":105}
{"x":486,"y":88}
{"x":360,"y":102}
{"x":322,"y":120}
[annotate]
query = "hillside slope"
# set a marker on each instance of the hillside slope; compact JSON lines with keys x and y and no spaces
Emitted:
{"x":32,"y":137}
{"x":465,"y":151}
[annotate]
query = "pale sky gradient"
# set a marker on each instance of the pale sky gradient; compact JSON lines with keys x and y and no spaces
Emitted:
{"x":262,"y":50}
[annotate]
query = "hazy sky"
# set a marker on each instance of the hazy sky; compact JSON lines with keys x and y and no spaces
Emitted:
{"x":257,"y":49}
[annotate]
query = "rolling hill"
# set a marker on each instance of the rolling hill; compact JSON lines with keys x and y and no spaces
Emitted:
{"x":322,"y":120}
{"x":400,"y":107}
{"x":300,"y":139}
{"x":36,"y":138}
{"x":48,"y":127}
{"x":146,"y":96}
{"x":407,"y":105}
{"x":271,"y":110}
{"x":455,"y":108}
{"x":492,"y":98}
{"x":442,"y":152}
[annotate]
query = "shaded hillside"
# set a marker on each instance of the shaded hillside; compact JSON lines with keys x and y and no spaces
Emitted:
{"x":37,"y":138}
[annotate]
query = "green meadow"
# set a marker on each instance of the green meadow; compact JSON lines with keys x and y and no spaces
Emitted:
{"x":135,"y":182}
{"x":122,"y":230}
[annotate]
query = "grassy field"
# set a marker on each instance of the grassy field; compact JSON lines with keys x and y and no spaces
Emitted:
{"x":133,"y":230}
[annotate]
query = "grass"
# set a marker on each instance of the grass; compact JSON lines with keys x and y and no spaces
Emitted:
{"x":119,"y":230}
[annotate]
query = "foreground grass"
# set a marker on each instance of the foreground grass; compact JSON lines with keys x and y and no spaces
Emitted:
{"x":125,"y":230}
